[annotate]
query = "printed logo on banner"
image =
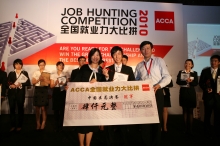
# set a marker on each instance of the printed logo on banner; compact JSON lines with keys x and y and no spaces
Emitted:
{"x":164,"y":21}
{"x":145,"y":87}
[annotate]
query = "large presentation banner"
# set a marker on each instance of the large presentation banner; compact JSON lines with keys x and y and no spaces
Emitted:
{"x":110,"y":103}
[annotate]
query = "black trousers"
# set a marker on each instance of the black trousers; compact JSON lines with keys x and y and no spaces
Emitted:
{"x":59,"y":116}
{"x":151,"y":133}
{"x":110,"y":136}
{"x":19,"y":102}
{"x":210,"y":105}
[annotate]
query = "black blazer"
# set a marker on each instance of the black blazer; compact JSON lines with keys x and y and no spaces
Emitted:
{"x":125,"y":69}
{"x":192,"y":84}
{"x":17,"y":91}
{"x":74,"y":74}
{"x":206,"y":81}
{"x":85,"y":73}
{"x":3,"y":81}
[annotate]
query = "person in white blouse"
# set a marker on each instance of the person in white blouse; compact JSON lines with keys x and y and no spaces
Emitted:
{"x":58,"y":82}
{"x":40,"y":100}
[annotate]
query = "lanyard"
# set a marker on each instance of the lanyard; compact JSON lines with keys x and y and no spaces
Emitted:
{"x":148,"y":70}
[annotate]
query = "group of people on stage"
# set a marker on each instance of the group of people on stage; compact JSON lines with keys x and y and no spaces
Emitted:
{"x":151,"y":67}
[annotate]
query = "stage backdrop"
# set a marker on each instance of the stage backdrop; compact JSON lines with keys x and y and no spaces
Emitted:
{"x":57,"y":30}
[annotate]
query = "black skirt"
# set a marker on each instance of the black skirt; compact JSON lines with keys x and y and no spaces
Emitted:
{"x":86,"y":129}
{"x":58,"y":99}
{"x":187,"y":97}
{"x":167,"y":102}
{"x":40,"y":96}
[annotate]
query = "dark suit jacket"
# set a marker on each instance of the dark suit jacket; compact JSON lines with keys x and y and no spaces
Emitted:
{"x":125,"y":69}
{"x":3,"y":81}
{"x":18,"y":92}
{"x":74,"y":74}
{"x":206,"y":81}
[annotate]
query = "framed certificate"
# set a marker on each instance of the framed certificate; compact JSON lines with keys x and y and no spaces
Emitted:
{"x":62,"y":82}
{"x":218,"y":85}
{"x":45,"y":76}
{"x":184,"y":76}
{"x":120,"y":77}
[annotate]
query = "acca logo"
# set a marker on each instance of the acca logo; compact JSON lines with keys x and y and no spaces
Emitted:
{"x":164,"y":21}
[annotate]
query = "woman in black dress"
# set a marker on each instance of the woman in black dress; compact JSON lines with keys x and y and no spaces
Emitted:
{"x":40,"y":100}
{"x":187,"y":94}
{"x":58,"y":81}
{"x":91,"y":72}
{"x":16,"y":94}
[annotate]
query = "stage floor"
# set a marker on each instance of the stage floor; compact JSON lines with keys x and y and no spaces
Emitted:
{"x":29,"y":137}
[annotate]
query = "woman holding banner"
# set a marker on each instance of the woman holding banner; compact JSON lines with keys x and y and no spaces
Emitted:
{"x":17,"y":80}
{"x":91,"y":72}
{"x":40,"y":101}
{"x":58,"y":82}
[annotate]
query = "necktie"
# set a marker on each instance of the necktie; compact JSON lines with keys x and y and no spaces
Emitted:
{"x":213,"y":74}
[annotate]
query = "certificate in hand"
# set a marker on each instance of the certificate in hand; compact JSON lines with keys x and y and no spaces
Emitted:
{"x":62,"y":82}
{"x":45,"y":76}
{"x":21,"y":79}
{"x":120,"y":77}
{"x":218,"y":85}
{"x":184,"y":76}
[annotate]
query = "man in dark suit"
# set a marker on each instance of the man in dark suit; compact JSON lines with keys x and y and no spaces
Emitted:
{"x":81,"y":61}
{"x":211,"y":97}
{"x":3,"y":83}
{"x":117,"y":54}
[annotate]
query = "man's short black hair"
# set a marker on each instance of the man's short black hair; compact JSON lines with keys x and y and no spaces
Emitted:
{"x":81,"y":57}
{"x":18,"y":61}
{"x":125,"y":56}
{"x":215,"y":57}
{"x":115,"y":49}
{"x":146,"y":43}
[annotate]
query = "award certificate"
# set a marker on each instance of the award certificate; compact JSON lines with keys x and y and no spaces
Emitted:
{"x":120,"y":77}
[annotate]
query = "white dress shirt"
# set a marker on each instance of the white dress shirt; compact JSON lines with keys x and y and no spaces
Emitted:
{"x":118,"y":67}
{"x":158,"y":71}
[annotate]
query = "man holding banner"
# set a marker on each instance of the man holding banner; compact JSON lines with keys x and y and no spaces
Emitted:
{"x":153,"y":68}
{"x":118,"y":72}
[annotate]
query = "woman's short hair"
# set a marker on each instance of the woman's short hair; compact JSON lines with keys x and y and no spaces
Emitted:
{"x":92,"y":52}
{"x":17,"y":61}
{"x":190,"y":61}
{"x":60,"y":63}
{"x":41,"y":60}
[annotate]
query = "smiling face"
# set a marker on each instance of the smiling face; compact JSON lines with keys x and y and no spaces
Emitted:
{"x":146,"y":51}
{"x":188,"y":65}
{"x":117,"y":57}
{"x":95,"y":58}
